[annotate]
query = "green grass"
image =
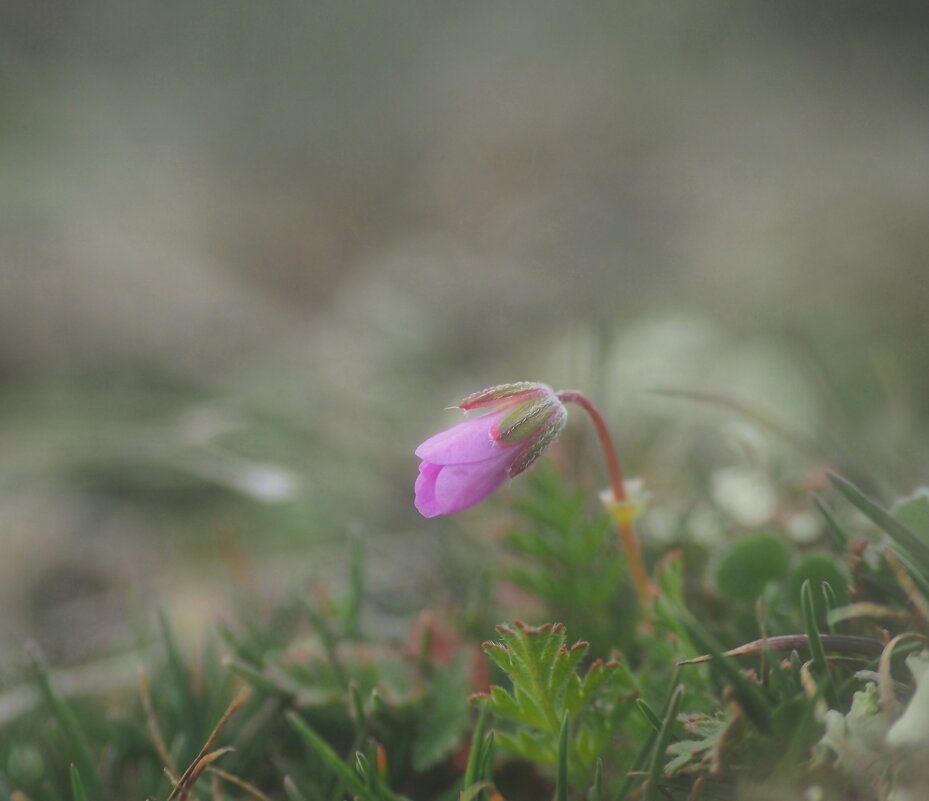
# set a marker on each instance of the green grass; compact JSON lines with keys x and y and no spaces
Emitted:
{"x":610,"y":707}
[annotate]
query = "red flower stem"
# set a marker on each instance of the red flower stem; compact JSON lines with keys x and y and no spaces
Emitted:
{"x":624,"y":523}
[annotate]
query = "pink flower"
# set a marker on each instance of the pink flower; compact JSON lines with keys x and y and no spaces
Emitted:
{"x":464,"y":464}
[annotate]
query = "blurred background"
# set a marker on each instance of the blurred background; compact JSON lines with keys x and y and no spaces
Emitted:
{"x":250,"y":253}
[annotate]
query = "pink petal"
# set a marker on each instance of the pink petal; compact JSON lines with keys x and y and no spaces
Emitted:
{"x":466,"y":442}
{"x":460,"y":486}
{"x":425,"y":489}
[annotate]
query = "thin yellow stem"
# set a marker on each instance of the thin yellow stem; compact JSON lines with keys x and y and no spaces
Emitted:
{"x":634,"y":557}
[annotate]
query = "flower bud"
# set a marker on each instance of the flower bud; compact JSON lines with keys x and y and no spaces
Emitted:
{"x":464,"y":464}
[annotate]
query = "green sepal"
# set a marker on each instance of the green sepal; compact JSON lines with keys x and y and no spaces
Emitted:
{"x":494,"y":396}
{"x":545,"y":437}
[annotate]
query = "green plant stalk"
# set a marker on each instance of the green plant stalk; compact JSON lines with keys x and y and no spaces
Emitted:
{"x":661,"y":745}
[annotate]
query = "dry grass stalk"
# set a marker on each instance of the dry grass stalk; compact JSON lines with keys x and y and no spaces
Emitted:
{"x":193,"y":772}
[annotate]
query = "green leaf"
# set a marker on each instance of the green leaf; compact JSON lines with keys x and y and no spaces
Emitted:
{"x":704,"y":748}
{"x":750,"y":564}
{"x":546,"y":687}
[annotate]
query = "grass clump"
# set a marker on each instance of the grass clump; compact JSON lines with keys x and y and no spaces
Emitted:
{"x":762,"y":671}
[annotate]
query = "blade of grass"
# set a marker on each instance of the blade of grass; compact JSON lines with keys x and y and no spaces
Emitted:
{"x":154,"y":732}
{"x":843,"y":643}
{"x":696,"y":791}
{"x":918,"y":600}
{"x":487,"y":760}
{"x":561,"y":770}
{"x":188,"y":709}
{"x":329,"y":640}
{"x":649,"y":714}
{"x":661,"y":745}
{"x":642,"y":757}
{"x":475,"y":755}
{"x":293,"y":792}
{"x":189,"y":776}
{"x":473,"y":791}
{"x":77,"y":786}
{"x":331,"y":758}
{"x":831,"y":603}
{"x":918,"y":578}
{"x":77,"y":740}
{"x":352,"y":615}
{"x":753,"y":701}
{"x":835,"y":530}
{"x":885,"y":683}
{"x":595,"y":793}
{"x":817,"y":651}
{"x":863,"y":609}
{"x":239,"y":782}
{"x":801,"y":441}
{"x":912,"y":543}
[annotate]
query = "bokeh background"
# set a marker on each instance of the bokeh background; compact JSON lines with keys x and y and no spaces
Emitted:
{"x":250,"y":252}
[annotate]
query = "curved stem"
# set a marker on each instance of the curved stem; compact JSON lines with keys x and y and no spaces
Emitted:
{"x":603,"y":434}
{"x":619,"y":513}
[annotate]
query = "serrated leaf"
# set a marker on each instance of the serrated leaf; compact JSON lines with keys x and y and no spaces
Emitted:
{"x":704,"y":746}
{"x":546,"y":687}
{"x":564,"y":667}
